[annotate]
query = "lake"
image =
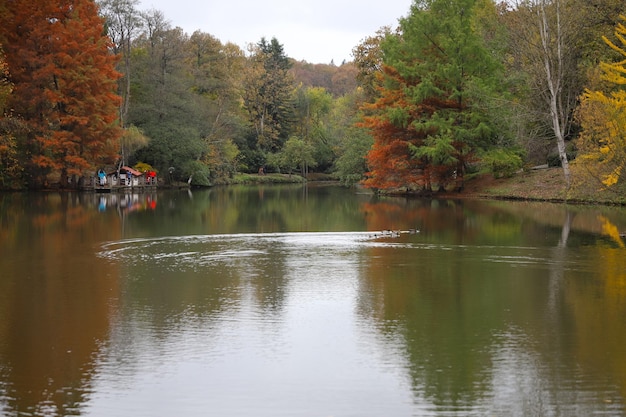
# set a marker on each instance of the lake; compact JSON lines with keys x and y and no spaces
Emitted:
{"x":291,"y":301}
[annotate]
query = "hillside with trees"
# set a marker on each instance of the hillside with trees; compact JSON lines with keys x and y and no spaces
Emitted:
{"x":459,"y":87}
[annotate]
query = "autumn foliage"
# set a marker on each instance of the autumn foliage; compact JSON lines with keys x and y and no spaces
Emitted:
{"x":390,"y":160}
{"x":603,"y":117}
{"x":62,"y":70}
{"x":425,"y":126}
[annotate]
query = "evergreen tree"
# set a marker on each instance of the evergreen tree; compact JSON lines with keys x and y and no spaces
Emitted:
{"x":425,"y":127}
{"x":267,"y":95}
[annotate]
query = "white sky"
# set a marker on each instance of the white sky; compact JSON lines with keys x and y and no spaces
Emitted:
{"x":317,"y":31}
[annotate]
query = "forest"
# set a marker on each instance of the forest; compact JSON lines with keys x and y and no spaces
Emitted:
{"x":459,"y":87}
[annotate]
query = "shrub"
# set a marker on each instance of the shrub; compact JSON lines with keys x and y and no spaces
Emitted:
{"x":198,"y":172}
{"x":143,"y":167}
{"x":502,"y":163}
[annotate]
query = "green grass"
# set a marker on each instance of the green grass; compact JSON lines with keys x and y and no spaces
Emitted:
{"x":265,"y":179}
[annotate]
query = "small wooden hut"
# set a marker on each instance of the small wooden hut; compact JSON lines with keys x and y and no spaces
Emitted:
{"x":126,"y":178}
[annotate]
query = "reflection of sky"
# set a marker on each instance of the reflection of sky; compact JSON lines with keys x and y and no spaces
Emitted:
{"x":314,"y":358}
{"x":520,"y":384}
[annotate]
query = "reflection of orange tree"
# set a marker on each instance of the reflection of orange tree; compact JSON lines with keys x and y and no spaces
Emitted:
{"x":381,"y":215}
{"x":51,"y":340}
{"x":71,"y":217}
{"x":430,"y":216}
{"x":388,"y":215}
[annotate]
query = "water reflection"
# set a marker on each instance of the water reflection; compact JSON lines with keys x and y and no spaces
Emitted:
{"x":284,"y":301}
{"x":489,"y":328}
{"x":56,"y":297}
{"x":126,"y":202}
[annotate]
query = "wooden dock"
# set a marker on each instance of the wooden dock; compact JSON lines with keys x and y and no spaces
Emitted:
{"x":123,"y":180}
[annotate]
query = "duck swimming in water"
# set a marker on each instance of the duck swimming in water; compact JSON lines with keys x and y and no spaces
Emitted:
{"x":395,"y":233}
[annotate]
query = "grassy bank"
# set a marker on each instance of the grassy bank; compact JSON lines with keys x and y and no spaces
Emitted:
{"x":263,"y":179}
{"x":547,"y":185}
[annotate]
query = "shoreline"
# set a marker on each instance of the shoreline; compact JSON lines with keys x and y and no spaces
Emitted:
{"x":545,"y":185}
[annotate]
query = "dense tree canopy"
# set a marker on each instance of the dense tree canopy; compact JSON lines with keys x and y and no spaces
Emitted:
{"x":458,"y":86}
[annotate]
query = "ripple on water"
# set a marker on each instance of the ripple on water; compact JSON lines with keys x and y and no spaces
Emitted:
{"x":211,"y":249}
{"x":199,"y":251}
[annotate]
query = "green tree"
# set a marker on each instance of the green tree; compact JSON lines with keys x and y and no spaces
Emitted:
{"x":311,"y":108}
{"x":297,"y":153}
{"x":131,"y":141}
{"x":267,"y":94}
{"x":164,"y":104}
{"x":548,"y":45}
{"x":217,"y":78}
{"x":222,"y":159}
{"x":352,"y":141}
{"x":593,"y":20}
{"x":368,"y":59}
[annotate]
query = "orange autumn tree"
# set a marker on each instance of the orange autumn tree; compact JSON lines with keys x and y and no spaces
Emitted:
{"x":390,"y":160}
{"x":64,"y":81}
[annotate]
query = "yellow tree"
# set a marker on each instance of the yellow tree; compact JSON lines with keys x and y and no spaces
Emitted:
{"x":603,"y":118}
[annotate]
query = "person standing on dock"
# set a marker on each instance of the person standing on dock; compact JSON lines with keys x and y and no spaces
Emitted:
{"x":102,"y":177}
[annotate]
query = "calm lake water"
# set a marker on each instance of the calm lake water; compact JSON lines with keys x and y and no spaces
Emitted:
{"x":289,"y":301}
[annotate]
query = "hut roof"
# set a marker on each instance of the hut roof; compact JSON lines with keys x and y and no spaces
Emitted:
{"x":131,"y":170}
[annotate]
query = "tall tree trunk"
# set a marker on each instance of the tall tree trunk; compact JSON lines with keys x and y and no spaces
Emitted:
{"x":553,"y":65}
{"x":560,"y":142}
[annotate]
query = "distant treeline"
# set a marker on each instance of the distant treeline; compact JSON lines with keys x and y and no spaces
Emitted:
{"x":459,"y":86}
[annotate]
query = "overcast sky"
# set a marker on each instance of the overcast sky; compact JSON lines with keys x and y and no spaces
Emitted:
{"x":317,"y":31}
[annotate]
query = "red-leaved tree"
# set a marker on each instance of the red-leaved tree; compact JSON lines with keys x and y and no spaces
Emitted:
{"x":391,"y":160}
{"x":62,"y":69}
